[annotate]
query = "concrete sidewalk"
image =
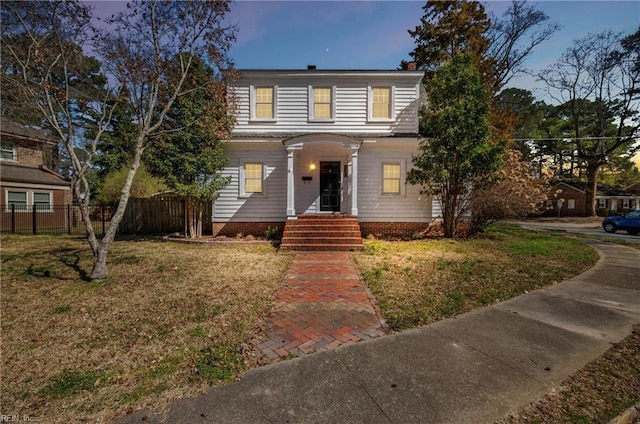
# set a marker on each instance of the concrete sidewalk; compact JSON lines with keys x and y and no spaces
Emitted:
{"x":475,"y":368}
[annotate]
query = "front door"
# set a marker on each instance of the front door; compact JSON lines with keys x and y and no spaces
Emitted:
{"x":330,"y":186}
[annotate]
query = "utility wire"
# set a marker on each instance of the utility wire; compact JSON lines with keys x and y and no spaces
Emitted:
{"x":571,"y":138}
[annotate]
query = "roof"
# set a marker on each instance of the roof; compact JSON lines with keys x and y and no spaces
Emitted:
{"x":393,"y":73}
{"x":28,"y":174}
{"x":602,"y":190}
{"x":13,"y":129}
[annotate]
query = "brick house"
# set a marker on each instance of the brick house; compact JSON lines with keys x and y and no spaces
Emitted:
{"x":571,"y":201}
{"x":26,"y":182}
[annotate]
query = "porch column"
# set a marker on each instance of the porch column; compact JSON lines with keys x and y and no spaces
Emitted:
{"x":291,"y":210}
{"x":354,"y":180}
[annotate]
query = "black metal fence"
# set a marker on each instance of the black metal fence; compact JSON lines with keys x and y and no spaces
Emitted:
{"x":44,"y":219}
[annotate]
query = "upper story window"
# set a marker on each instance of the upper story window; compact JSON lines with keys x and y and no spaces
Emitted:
{"x":321,"y":103}
{"x":380,"y":103}
{"x":8,"y":151}
{"x":263,"y":103}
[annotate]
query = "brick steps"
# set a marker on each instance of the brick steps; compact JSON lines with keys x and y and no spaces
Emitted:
{"x":322,"y":232}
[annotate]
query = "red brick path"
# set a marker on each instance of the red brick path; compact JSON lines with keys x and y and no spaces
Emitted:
{"x":322,"y":303}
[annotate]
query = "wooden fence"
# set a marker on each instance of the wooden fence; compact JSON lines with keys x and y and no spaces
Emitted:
{"x":159,"y":216}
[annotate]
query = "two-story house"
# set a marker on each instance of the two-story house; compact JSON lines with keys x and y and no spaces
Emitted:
{"x":323,"y":142}
{"x":25,"y":180}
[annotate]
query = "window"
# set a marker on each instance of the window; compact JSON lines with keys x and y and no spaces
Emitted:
{"x":23,"y":200}
{"x":17,"y":199}
{"x":321,"y":104}
{"x":571,"y":203}
{"x":380,"y":103}
{"x":253,"y":178}
{"x":625,"y":203}
{"x":392,"y":181}
{"x":602,"y":203}
{"x":263,"y":103}
{"x":8,"y":151}
{"x":42,"y":201}
{"x":549,"y":204}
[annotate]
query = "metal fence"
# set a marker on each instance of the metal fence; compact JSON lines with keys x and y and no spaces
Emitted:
{"x":45,"y":219}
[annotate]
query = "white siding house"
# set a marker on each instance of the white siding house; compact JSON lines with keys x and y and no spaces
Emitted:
{"x":323,"y":142}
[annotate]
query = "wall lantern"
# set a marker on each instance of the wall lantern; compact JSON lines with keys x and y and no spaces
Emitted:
{"x":312,"y":167}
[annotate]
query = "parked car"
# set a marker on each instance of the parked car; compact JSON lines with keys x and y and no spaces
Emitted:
{"x":629,"y":222}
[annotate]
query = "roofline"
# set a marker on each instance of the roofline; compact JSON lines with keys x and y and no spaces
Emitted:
{"x":15,"y":130}
{"x":332,"y":72}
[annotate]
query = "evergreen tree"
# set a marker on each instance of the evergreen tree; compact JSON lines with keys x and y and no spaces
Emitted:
{"x":456,"y":155}
{"x":191,"y":158}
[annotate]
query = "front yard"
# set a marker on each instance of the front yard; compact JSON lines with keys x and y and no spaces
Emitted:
{"x":171,"y":320}
{"x":423,"y":281}
{"x":174,"y":318}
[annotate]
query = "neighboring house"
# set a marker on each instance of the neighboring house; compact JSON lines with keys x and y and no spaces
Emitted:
{"x":25,"y":180}
{"x":323,"y":142}
{"x":571,"y":201}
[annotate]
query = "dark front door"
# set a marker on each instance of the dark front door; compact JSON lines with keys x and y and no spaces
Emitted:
{"x":330,"y":186}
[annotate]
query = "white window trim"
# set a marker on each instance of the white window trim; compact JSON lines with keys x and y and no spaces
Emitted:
{"x":571,"y":203}
{"x":602,"y":203}
{"x":311,"y":99}
{"x":33,"y":196}
{"x":252,"y":101}
{"x":30,"y":200}
{"x":392,"y":108}
{"x":403,"y":176}
{"x":14,"y":153}
{"x":241,"y":180}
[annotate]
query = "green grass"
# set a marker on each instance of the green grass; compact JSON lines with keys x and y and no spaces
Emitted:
{"x":69,"y":382}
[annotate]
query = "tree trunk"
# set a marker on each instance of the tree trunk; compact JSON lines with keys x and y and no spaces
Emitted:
{"x":591,"y":189}
{"x":191,"y":226}
{"x":199,"y":213}
{"x":448,"y":218}
{"x":100,"y":271}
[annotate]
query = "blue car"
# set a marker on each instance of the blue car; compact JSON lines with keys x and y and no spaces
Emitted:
{"x":629,"y":222}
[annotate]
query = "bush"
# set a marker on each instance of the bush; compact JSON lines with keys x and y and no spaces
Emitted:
{"x":515,"y":194}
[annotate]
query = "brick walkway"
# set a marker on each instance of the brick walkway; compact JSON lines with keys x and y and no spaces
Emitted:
{"x":322,"y":303}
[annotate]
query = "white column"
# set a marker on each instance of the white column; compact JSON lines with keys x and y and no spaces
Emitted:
{"x":291,"y":210}
{"x":354,"y":180}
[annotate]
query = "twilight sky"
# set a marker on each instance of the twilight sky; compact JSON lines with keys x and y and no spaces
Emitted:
{"x":373,"y":34}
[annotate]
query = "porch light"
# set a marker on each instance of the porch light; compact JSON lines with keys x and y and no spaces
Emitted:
{"x":312,"y":167}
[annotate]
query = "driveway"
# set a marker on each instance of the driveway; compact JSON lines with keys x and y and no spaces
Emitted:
{"x":576,"y":225}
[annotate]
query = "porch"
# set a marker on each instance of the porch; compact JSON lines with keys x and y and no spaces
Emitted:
{"x":322,"y":175}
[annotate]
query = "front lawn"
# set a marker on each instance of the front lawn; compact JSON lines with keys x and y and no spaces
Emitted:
{"x":174,"y":319}
{"x":422,"y":281}
{"x":171,"y":320}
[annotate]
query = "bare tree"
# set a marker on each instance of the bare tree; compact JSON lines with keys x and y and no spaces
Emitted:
{"x":44,"y":65}
{"x":148,"y":51}
{"x":598,"y":72}
{"x":513,"y":36}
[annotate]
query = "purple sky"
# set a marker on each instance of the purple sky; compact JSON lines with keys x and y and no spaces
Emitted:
{"x":373,"y":34}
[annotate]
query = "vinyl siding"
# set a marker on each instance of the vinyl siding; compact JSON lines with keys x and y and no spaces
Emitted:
{"x":373,"y":206}
{"x":351,"y":108}
{"x":268,"y":207}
